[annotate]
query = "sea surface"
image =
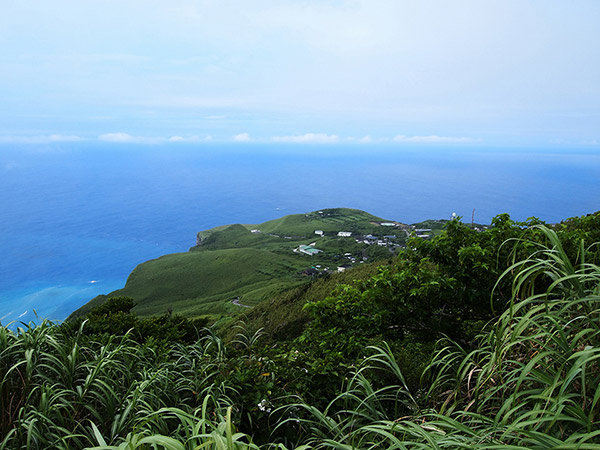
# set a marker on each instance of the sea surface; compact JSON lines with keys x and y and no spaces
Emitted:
{"x":76,"y":219}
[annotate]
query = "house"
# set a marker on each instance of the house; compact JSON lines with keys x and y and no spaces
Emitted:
{"x":387,"y":224}
{"x":344,"y":234}
{"x":254,"y":231}
{"x":344,"y":268}
{"x":319,"y":232}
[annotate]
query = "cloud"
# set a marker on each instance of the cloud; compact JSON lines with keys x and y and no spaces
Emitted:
{"x":64,"y":138}
{"x":433,"y":139}
{"x":190,"y":139}
{"x":242,"y":137}
{"x":116,"y":137}
{"x":320,"y":138}
{"x":129,"y":139}
{"x":40,"y":139}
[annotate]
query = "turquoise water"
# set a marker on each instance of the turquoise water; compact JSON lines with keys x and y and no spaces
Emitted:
{"x":76,"y":219}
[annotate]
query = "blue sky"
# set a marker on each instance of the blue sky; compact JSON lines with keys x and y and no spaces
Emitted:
{"x":520,"y":73}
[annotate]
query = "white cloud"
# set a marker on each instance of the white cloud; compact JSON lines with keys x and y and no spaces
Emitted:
{"x":320,"y":138}
{"x":366,"y":139}
{"x":116,"y":137}
{"x":242,"y":137}
{"x":190,"y":139}
{"x":129,"y":139}
{"x":64,"y":138}
{"x":40,"y":139}
{"x":433,"y":139}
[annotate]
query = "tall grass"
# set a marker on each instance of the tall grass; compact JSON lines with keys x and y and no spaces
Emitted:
{"x":63,"y":391}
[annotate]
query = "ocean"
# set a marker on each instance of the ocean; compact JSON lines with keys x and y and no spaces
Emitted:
{"x":75,"y":219}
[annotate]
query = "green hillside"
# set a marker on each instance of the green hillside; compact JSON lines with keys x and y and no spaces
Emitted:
{"x":202,"y":282}
{"x":252,"y":263}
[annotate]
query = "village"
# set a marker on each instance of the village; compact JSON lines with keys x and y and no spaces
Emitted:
{"x":392,"y":242}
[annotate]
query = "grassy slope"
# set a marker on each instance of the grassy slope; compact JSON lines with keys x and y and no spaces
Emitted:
{"x":282,"y":317}
{"x":233,"y":262}
{"x":197,"y":283}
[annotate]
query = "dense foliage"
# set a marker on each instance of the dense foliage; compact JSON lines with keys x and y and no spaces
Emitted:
{"x":473,"y":339}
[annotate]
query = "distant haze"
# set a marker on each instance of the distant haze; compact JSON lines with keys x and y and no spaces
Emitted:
{"x":520,"y":72}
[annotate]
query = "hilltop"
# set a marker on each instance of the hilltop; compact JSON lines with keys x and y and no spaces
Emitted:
{"x":239,"y":265}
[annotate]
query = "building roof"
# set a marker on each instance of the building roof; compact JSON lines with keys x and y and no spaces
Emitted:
{"x":309,"y":250}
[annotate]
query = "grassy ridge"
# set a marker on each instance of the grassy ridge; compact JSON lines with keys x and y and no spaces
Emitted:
{"x":231,"y":261}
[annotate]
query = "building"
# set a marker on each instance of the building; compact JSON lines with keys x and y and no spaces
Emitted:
{"x":423,"y":233}
{"x":308,"y":250}
{"x":319,"y":232}
{"x":344,"y":234}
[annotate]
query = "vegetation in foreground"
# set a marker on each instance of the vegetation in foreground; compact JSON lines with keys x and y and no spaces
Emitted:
{"x":357,"y":375}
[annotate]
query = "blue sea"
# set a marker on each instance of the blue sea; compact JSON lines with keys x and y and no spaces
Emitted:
{"x":76,"y":219}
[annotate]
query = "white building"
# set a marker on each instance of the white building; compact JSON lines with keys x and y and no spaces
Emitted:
{"x":344,"y":234}
{"x":319,"y":232}
{"x":308,"y":250}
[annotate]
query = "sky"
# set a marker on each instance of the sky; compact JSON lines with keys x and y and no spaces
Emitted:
{"x":463,"y":72}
